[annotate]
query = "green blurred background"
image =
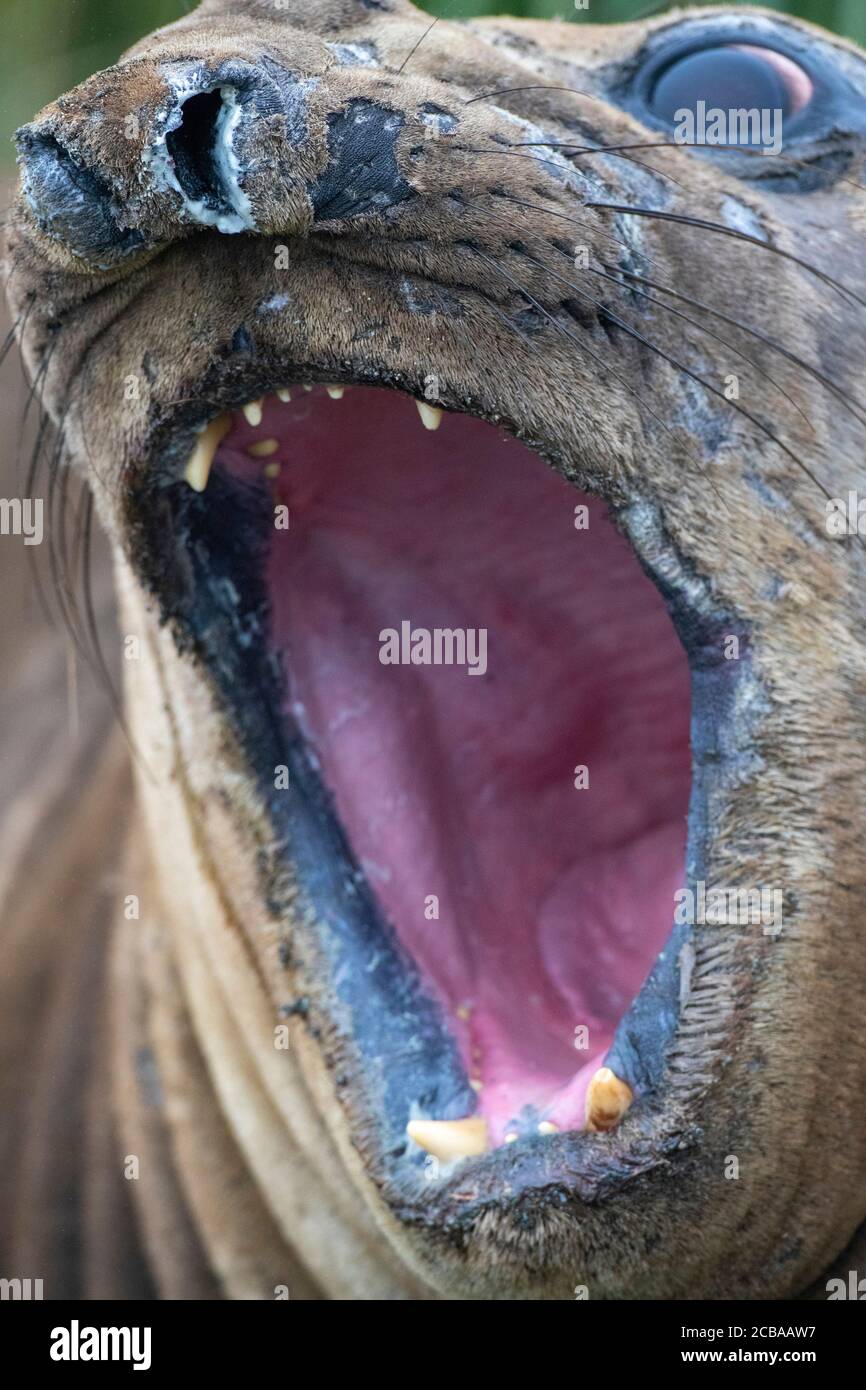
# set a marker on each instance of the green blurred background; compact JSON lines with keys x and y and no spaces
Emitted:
{"x":49,"y":45}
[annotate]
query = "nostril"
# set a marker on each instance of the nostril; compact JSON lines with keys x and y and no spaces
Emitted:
{"x":192,"y":146}
{"x":72,"y":203}
{"x":204,"y":165}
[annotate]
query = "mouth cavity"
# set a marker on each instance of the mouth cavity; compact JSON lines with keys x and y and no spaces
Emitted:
{"x":482,"y":708}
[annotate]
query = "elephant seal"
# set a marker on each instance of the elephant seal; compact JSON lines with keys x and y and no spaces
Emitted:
{"x":479,"y":458}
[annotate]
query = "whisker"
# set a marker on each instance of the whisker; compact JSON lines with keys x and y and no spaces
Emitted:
{"x":432,"y":25}
{"x":702,"y":328}
{"x":667,"y":357}
{"x":533,"y":87}
{"x":34,"y":393}
{"x":66,"y":539}
{"x":42,"y":435}
{"x":29,"y":489}
{"x":70,"y":559}
{"x":38,"y":383}
{"x":847,"y":401}
{"x":682,"y":145}
{"x":414,"y":49}
{"x":717,"y":227}
{"x":697,"y":378}
{"x":17,"y":328}
{"x":69,"y":530}
{"x":511,"y":154}
{"x":84,"y":547}
{"x":576,"y":222}
{"x":62,"y":586}
{"x":539,"y":207}
{"x":617,"y":150}
{"x":643,"y":144}
{"x":596,"y":357}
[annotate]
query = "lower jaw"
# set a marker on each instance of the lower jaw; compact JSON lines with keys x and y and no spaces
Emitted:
{"x":491,"y":846}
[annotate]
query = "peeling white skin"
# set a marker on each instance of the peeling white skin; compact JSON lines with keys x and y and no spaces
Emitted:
{"x":227,"y":161}
{"x":642,"y":523}
{"x":740,"y":218}
{"x":581,"y":181}
{"x":354,"y":55}
{"x":274,"y":305}
{"x":698,"y":412}
{"x":408,"y":291}
{"x":161,"y":164}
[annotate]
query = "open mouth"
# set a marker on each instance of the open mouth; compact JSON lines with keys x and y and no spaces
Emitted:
{"x":470,"y":710}
{"x":482,"y":749}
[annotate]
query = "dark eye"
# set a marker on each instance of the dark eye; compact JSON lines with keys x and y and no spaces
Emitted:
{"x":733,"y":76}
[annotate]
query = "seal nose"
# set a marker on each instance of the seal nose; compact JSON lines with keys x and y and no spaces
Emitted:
{"x":140,"y":153}
{"x":146,"y":151}
{"x":126,"y":182}
{"x":71,"y":202}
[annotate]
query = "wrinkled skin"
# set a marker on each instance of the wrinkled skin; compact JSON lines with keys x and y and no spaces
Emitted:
{"x":264,"y":1167}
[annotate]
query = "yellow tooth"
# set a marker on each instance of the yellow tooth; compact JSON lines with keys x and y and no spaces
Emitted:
{"x":450,"y":1139}
{"x":263,"y":447}
{"x":336,"y":392}
{"x":607,"y":1099}
{"x":198,"y":466}
{"x":548,"y":1127}
{"x":253,"y":412}
{"x":430,"y":415}
{"x":272,"y":470}
{"x":284,"y":395}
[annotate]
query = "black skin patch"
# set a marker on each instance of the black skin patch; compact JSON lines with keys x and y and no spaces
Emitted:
{"x":362,"y":173}
{"x":436,"y":118}
{"x":72,"y":203}
{"x":639,"y":1049}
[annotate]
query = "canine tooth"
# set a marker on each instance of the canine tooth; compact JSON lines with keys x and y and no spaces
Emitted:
{"x":450,"y":1139}
{"x":284,"y":395}
{"x":272,"y":470}
{"x":512,"y":1136}
{"x":548,"y":1127}
{"x":252,"y":412}
{"x":199,"y":463}
{"x":263,"y":448}
{"x":431,"y":415}
{"x":607,"y":1099}
{"x":336,"y":392}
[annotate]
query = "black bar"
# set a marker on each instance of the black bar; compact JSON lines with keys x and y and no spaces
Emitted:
{"x":256,"y":1339}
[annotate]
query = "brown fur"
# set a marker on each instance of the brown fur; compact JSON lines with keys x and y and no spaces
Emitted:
{"x":256,"y":1169}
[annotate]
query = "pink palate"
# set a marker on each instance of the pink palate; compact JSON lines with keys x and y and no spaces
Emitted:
{"x":553,"y":902}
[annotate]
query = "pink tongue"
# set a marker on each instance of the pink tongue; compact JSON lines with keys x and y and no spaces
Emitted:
{"x":457,"y":791}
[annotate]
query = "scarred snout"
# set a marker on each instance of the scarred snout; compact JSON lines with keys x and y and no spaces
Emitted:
{"x":149,"y":151}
